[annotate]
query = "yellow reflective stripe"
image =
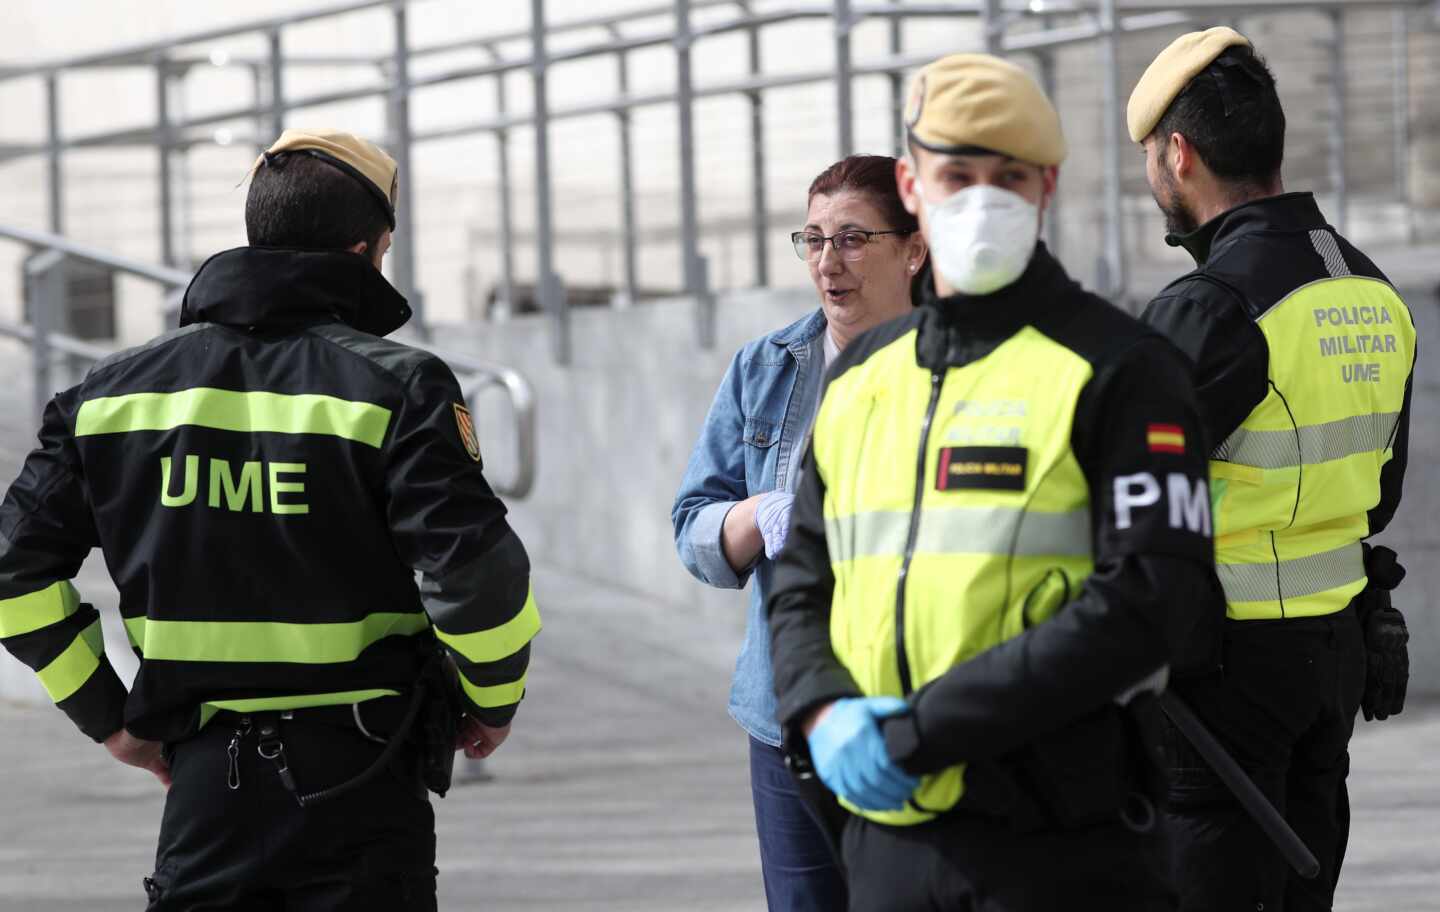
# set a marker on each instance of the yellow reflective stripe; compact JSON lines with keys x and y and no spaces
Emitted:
{"x":229,"y":410}
{"x":1294,"y":578}
{"x":495,"y":696}
{"x":966,"y":530}
{"x":50,"y":605}
{"x":294,"y":701}
{"x":72,"y":668}
{"x":1310,"y":444}
{"x":267,"y":641}
{"x":498,"y":642}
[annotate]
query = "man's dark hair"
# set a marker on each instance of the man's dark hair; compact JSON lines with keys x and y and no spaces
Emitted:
{"x":297,"y":200}
{"x":1231,"y":114}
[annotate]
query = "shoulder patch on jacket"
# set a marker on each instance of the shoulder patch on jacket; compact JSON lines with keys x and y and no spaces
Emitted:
{"x":466,"y":424}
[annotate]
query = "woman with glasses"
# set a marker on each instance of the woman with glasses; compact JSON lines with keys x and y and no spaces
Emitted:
{"x":732,"y":512}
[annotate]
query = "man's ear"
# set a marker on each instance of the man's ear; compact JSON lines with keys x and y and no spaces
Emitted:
{"x":1050,"y":178}
{"x":1180,"y":156}
{"x":905,"y":184}
{"x":360,"y":247}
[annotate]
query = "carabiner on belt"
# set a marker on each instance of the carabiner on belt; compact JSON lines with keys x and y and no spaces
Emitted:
{"x":272,"y":748}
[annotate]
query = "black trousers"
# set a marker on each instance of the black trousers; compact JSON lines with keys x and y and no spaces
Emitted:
{"x":1285,"y":708}
{"x":253,"y":848}
{"x":966,"y":863}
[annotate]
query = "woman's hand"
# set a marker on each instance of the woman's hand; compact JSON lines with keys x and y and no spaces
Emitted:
{"x":772,"y":518}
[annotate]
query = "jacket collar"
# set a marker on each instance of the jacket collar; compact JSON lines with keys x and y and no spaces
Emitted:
{"x":273,"y":288}
{"x":1007,"y":308}
{"x":1285,"y":212}
{"x":957,"y":328}
{"x":802,"y":332}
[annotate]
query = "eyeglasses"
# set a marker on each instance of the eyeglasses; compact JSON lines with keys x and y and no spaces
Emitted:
{"x":850,"y":244}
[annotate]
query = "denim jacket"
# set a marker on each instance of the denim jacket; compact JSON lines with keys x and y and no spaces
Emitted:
{"x":751,"y":443}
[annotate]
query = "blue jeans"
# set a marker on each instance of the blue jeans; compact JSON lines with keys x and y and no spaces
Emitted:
{"x":800,"y":873}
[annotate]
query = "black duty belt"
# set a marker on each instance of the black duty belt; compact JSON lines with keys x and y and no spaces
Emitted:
{"x":389,"y":722}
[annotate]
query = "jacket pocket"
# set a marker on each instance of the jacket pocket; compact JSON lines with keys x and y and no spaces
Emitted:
{"x":760,"y":436}
{"x":761,"y":432}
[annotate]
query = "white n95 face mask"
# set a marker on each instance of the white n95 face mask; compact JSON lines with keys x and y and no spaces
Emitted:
{"x":981,"y":238}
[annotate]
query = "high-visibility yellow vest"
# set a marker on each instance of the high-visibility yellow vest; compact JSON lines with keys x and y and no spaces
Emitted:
{"x":1291,"y":487}
{"x":956,"y":515}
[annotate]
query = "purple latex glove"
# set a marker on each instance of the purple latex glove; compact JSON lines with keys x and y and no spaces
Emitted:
{"x":772,"y":518}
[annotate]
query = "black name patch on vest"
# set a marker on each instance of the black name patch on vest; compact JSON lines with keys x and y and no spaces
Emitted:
{"x":992,"y":468}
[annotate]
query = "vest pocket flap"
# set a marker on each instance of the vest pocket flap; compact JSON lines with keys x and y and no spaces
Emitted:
{"x":760,"y":432}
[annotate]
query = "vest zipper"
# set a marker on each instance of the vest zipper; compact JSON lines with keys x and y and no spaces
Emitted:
{"x":903,"y":660}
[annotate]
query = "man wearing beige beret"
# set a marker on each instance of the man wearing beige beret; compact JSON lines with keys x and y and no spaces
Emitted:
{"x":1303,"y":355}
{"x":265,"y":483}
{"x":1001,"y":528}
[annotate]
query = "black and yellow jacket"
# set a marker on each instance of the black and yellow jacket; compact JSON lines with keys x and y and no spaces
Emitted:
{"x":1003,"y":519}
{"x":265,"y":483}
{"x":1303,"y":356}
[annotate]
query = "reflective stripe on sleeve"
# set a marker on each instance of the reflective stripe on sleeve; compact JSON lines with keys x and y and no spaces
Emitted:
{"x":50,"y":605}
{"x":267,"y":641}
{"x":72,"y":668}
{"x":498,"y":642}
{"x":494,"y":696}
{"x":229,"y":410}
{"x":1311,"y":444}
{"x":1291,"y":579}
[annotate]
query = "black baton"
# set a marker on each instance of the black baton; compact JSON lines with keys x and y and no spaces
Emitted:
{"x":1250,"y":797}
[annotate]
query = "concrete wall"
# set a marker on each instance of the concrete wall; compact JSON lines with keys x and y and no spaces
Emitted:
{"x":616,"y":429}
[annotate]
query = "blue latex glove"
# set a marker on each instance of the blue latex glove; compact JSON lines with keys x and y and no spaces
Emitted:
{"x":772,"y":518}
{"x":848,"y":750}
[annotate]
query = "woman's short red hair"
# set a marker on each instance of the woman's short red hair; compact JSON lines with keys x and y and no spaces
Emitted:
{"x":872,"y":175}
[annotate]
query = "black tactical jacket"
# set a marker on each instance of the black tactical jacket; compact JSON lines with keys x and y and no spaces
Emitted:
{"x":265,"y":482}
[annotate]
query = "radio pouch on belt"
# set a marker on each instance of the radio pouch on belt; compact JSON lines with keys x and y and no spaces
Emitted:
{"x":439,"y":720}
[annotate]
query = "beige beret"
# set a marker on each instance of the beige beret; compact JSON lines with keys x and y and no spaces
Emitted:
{"x":976,"y":101}
{"x":361,"y":159}
{"x":1169,"y":74}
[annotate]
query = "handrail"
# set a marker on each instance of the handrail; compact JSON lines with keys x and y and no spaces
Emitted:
{"x":173,"y":278}
{"x":485,"y":374}
{"x":67,"y":345}
{"x":145,"y":49}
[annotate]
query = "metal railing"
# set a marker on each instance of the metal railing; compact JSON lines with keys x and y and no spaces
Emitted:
{"x":478,"y":376}
{"x":47,"y":295}
{"x":1003,"y":29}
{"x":47,"y":299}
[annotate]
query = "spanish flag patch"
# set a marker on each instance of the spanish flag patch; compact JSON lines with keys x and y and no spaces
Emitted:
{"x":466,"y":425}
{"x":1165,"y":438}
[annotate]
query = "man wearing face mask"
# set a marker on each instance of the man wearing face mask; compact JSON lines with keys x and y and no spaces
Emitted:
{"x":1303,"y":357}
{"x":1001,"y":535}
{"x":265,"y":483}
